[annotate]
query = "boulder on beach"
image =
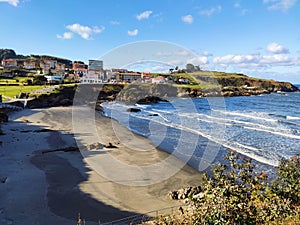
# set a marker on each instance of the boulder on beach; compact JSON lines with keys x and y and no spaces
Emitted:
{"x":95,"y":146}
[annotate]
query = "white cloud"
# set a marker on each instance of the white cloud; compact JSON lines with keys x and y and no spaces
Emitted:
{"x":206,"y":53}
{"x":133,"y":32}
{"x":198,"y":60}
{"x":176,"y":62}
{"x":209,"y":12}
{"x":84,"y":31}
{"x":12,"y":2}
{"x":283,"y":60}
{"x":158,"y":17}
{"x":114,"y":22}
{"x":236,"y":59}
{"x":144,"y":15}
{"x":256,"y":61}
{"x":237,"y":5}
{"x":245,"y":12}
{"x":66,"y":35}
{"x":183,"y":53}
{"x":277,"y":49}
{"x":282,"y":5}
{"x":178,"y":53}
{"x":188,"y":19}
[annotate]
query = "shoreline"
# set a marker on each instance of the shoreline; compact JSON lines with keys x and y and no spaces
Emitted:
{"x":56,"y":186}
{"x":219,"y":151}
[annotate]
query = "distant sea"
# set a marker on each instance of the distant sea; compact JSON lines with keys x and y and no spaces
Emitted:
{"x":201,"y":130}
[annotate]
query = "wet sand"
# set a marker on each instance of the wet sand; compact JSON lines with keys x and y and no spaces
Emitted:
{"x":102,"y":184}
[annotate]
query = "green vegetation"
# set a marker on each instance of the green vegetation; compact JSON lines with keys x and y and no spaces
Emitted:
{"x":187,"y":76}
{"x":237,"y":193}
{"x":12,"y":91}
{"x":15,"y":80}
{"x":202,"y":86}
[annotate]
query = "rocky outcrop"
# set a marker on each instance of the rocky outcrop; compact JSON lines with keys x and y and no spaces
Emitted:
{"x":147,"y":93}
{"x":151,"y":100}
{"x":247,"y":89}
{"x":85,"y":94}
{"x":244,"y":83}
{"x":61,"y":97}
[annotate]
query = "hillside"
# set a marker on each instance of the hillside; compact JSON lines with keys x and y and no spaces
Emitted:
{"x":11,"y":54}
{"x":209,"y":83}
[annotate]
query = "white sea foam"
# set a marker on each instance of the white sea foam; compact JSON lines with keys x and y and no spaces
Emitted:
{"x":292,"y":118}
{"x":181,"y":121}
{"x":255,"y":126}
{"x":292,"y":136}
{"x":244,"y":114}
{"x":159,"y":114}
{"x":269,"y":158}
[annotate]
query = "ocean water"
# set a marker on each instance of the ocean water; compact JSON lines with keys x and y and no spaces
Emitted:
{"x":201,"y":130}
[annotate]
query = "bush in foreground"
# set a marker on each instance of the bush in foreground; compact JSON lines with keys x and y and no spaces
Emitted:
{"x":237,"y":193}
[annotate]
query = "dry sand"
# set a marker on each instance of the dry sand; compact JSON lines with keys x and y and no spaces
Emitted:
{"x":101,"y":184}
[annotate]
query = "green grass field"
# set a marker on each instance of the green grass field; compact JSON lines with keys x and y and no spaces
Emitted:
{"x":12,"y":91}
{"x":15,"y":80}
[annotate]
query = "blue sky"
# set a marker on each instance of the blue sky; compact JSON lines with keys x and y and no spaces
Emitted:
{"x":260,"y":38}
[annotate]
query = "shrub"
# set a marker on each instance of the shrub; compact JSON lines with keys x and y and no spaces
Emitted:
{"x":237,"y":193}
{"x":287,"y":183}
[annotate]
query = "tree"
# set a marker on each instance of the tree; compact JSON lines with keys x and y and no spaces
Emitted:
{"x":39,"y":80}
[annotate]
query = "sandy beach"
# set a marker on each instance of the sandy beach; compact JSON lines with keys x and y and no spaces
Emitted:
{"x":123,"y":176}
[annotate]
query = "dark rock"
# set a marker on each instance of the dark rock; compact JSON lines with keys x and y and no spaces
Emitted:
{"x":99,"y":108}
{"x":110,"y":145}
{"x":154,"y":114}
{"x":151,"y":100}
{"x":65,"y":102}
{"x":133,"y":110}
{"x":3,"y":180}
{"x":3,"y":117}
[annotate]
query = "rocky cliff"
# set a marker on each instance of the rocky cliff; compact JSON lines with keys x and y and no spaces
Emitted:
{"x":82,"y":94}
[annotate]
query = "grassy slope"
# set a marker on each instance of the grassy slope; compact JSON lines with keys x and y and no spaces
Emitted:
{"x":12,"y":91}
{"x":213,"y":79}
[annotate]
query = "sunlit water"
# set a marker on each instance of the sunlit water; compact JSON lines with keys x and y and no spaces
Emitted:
{"x":265,"y":128}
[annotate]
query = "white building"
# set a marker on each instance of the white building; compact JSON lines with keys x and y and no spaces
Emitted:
{"x":93,"y":77}
{"x":54,"y":79}
{"x":96,"y":65}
